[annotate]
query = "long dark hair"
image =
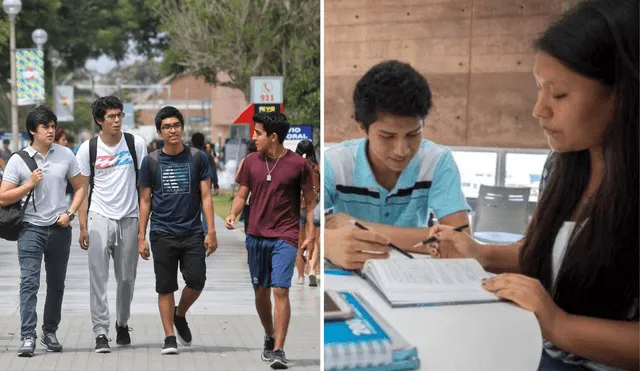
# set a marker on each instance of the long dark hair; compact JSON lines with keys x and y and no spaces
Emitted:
{"x":599,"y":273}
{"x":305,"y":147}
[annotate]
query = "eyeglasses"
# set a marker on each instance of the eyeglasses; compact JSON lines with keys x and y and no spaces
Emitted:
{"x":113,"y":116}
{"x":177,"y":126}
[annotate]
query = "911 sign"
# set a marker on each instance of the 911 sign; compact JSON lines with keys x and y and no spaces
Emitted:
{"x":266,"y":89}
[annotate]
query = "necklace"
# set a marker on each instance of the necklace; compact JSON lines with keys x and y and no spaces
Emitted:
{"x":266,"y":162}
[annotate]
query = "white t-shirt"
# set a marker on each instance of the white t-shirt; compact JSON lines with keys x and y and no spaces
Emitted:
{"x":115,"y":189}
{"x":560,"y":247}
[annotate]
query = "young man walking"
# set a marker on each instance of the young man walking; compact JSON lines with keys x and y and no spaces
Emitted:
{"x":109,"y":226}
{"x":44,"y":170}
{"x":275,"y":176}
{"x":180,"y":179}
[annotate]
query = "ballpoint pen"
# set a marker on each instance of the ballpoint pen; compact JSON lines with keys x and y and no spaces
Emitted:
{"x":434,"y":238}
{"x":391,"y":245}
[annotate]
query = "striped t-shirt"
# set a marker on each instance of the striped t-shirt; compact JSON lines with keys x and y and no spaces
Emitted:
{"x":429,"y":183}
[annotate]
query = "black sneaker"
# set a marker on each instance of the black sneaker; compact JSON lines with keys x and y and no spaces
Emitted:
{"x":182,"y":328}
{"x":269,"y":343}
{"x":313,"y":282}
{"x":123,"y":338}
{"x":170,"y":345}
{"x":278,"y":360}
{"x":50,"y":342}
{"x":102,"y":344}
{"x":28,"y":347}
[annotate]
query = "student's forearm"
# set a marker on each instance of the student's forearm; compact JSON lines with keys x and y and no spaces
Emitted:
{"x":311,"y":229}
{"x":405,"y":238}
{"x":78,"y":199}
{"x":14,"y":195}
{"x":613,"y":343}
{"x":83,"y":213}
{"x":207,"y":208}
{"x":145,"y":207}
{"x":237,"y":205}
{"x":500,"y":258}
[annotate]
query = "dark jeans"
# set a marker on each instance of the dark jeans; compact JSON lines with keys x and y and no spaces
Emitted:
{"x":34,"y":242}
{"x":548,"y":363}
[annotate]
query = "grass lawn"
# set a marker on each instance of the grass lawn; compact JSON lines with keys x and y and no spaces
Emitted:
{"x":222,"y":204}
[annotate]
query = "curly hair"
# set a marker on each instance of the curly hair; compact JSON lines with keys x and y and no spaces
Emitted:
{"x":391,"y":87}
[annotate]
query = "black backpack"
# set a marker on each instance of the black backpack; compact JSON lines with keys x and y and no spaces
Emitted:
{"x":11,"y":216}
{"x":93,"y":151}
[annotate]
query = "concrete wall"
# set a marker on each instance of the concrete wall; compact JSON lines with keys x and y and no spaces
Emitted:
{"x":475,"y":54}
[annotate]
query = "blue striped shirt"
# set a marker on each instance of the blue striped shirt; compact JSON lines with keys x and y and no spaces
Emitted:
{"x":429,"y":183}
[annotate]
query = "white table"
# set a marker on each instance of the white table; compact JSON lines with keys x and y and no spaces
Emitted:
{"x":491,"y":337}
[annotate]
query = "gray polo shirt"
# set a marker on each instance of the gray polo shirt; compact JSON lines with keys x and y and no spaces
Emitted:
{"x":59,"y":165}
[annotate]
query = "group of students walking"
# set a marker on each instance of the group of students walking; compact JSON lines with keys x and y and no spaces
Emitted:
{"x":118,"y":188}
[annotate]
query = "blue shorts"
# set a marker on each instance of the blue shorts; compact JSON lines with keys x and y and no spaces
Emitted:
{"x":271,"y":262}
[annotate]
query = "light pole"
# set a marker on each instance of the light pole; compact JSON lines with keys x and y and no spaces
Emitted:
{"x":12,"y":8}
{"x":39,"y":37}
{"x":54,"y":58}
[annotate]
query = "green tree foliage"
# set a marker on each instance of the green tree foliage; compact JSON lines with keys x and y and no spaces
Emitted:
{"x":245,"y":38}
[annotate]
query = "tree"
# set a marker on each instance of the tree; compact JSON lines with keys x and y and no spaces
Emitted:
{"x":249,"y":38}
{"x":81,"y":30}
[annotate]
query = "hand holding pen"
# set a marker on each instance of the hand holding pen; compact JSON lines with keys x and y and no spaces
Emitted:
{"x":457,"y":243}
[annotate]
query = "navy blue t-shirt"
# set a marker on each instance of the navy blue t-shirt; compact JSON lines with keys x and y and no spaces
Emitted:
{"x":175,"y":200}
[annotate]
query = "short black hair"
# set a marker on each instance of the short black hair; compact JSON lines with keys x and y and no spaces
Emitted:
{"x":273,"y":122}
{"x":101,"y":105}
{"x":197,"y":140}
{"x":166,"y":112}
{"x":6,"y":141}
{"x":40,"y":115}
{"x":391,"y":87}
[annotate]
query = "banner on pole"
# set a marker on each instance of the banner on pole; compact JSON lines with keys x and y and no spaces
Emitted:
{"x":64,"y":103}
{"x":30,"y":76}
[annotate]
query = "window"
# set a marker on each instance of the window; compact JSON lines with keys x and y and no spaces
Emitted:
{"x":475,"y":168}
{"x":524,"y":170}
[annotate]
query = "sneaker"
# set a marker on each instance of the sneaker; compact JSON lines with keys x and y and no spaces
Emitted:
{"x":123,"y":338}
{"x":300,"y":280}
{"x":269,"y":343}
{"x":170,"y":345}
{"x":182,"y":329}
{"x":312,"y":280}
{"x":50,"y":342}
{"x":28,"y":347}
{"x":278,"y":360}
{"x":102,"y":344}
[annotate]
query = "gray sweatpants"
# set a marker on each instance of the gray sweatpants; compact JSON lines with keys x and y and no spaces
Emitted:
{"x":118,"y":239}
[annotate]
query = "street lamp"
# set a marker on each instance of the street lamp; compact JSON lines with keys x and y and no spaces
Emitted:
{"x":12,"y":8}
{"x":39,"y":37}
{"x":56,"y":61}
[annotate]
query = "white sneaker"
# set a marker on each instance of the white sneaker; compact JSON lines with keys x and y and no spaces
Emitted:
{"x":300,"y":280}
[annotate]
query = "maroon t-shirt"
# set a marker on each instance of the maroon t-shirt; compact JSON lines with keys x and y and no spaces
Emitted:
{"x":275,"y":205}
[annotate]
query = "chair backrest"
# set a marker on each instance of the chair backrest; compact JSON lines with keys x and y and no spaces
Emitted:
{"x":502,"y":209}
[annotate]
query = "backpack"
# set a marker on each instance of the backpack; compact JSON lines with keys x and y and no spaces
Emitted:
{"x":11,"y":216}
{"x":93,"y":150}
{"x":153,"y":164}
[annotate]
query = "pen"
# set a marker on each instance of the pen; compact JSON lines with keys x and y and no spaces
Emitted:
{"x":391,"y":245}
{"x":434,"y":239}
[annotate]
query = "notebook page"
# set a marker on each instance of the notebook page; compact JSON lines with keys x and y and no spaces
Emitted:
{"x":400,"y":275}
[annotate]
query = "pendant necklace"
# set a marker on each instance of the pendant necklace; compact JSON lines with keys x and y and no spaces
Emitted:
{"x":266,"y":161}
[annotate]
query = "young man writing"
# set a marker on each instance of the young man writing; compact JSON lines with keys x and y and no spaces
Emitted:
{"x":275,"y":177}
{"x":180,"y":179}
{"x":401,"y":178}
{"x":46,"y":231}
{"x":109,"y":228}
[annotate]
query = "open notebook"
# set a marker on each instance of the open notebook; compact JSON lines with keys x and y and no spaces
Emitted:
{"x":421,"y":282}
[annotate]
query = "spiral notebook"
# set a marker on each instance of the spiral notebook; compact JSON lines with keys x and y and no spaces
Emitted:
{"x":427,"y":282}
{"x":366,"y":342}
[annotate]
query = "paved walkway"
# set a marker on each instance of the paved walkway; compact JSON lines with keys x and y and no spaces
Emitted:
{"x":226,"y":329}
